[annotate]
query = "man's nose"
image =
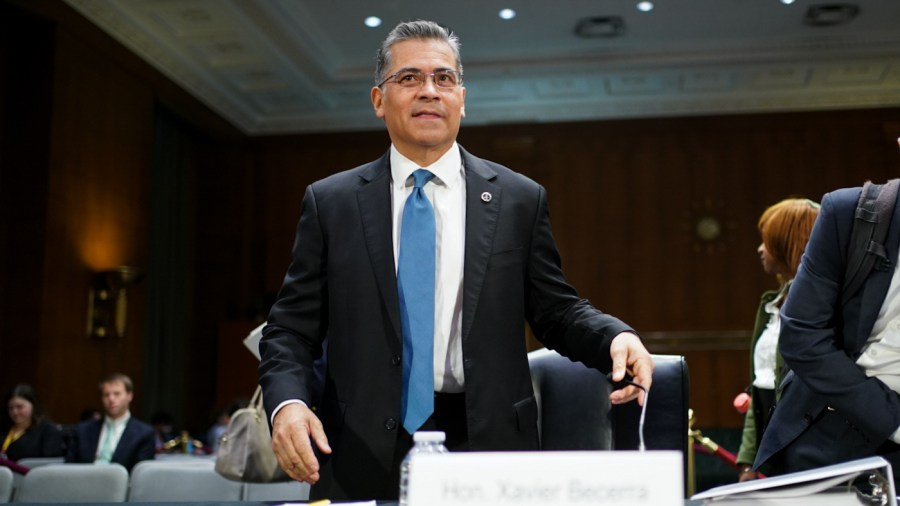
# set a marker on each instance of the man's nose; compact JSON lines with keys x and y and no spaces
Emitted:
{"x":428,"y":87}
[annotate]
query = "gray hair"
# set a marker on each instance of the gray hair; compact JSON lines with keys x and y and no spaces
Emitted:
{"x":412,"y":30}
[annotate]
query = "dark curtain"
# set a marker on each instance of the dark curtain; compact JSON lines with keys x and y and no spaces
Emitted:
{"x":168,"y":282}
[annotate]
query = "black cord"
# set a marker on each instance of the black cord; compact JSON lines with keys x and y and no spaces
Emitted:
{"x":628,"y":381}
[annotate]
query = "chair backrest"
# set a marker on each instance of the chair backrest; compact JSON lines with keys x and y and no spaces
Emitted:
{"x":67,"y":483}
{"x":32,"y":462}
{"x":574,"y":412}
{"x":181,"y":480}
{"x":6,"y":484}
{"x":281,"y":491}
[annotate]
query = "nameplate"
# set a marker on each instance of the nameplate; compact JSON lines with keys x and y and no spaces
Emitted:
{"x":619,"y":478}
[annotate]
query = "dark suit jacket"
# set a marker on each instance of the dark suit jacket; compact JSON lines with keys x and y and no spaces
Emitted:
{"x":135,"y":445}
{"x":342,"y":283}
{"x":44,"y":440}
{"x":821,"y":340}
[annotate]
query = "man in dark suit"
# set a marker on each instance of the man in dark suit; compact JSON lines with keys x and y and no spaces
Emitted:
{"x":840,"y":401}
{"x":118,"y":437}
{"x":491,"y":264}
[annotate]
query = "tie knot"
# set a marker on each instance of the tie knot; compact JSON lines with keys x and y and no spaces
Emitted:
{"x":421,"y":177}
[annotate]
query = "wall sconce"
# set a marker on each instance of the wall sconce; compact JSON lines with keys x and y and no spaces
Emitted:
{"x":108,"y":302}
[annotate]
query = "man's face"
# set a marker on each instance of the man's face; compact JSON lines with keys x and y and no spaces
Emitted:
{"x":425,"y":119}
{"x":115,"y":399}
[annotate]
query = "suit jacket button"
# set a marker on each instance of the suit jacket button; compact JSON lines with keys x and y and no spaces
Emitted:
{"x":390,"y":424}
{"x":395,"y":360}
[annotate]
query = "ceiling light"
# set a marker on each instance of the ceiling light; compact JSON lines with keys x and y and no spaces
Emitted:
{"x":645,"y":6}
{"x":507,"y":14}
{"x":600,"y":26}
{"x":787,"y":2}
{"x":830,"y":14}
{"x":373,"y":21}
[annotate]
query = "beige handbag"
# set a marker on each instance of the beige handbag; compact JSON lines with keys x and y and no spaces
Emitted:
{"x":245,"y":450}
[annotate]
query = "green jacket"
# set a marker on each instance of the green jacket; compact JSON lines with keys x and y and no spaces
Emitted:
{"x":749,"y":438}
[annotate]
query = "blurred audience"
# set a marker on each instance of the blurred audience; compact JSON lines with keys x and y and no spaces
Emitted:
{"x":118,"y":437}
{"x":221,"y":424}
{"x":163,"y":430}
{"x":26,"y":430}
{"x":90,"y":414}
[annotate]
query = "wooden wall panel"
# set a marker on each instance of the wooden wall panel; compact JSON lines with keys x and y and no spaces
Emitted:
{"x":97,"y":219}
{"x":625,"y":199}
{"x":25,"y":98}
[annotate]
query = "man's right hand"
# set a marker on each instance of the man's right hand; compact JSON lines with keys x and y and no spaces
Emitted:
{"x":294,"y":429}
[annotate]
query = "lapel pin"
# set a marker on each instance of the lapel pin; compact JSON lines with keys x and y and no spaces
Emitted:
{"x":486,"y":197}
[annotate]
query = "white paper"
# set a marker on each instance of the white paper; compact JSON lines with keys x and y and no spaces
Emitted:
{"x":814,"y":482}
{"x":252,"y":341}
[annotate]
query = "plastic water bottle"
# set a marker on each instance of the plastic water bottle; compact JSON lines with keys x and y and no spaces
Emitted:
{"x":423,"y":442}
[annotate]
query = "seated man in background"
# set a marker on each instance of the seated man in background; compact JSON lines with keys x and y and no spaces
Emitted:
{"x":118,"y":437}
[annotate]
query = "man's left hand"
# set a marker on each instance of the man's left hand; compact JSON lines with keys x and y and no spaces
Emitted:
{"x":630,"y":356}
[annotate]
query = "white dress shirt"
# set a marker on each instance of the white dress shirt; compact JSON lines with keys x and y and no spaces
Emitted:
{"x":880,"y":356}
{"x":447,"y":193}
{"x":764,"y":353}
{"x":118,"y":427}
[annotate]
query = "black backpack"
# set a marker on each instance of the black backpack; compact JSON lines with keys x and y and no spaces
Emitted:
{"x":870,"y":228}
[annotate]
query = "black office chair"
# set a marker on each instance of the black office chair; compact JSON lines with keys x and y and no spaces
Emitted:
{"x":574,"y":412}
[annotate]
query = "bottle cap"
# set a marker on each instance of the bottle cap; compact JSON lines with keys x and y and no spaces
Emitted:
{"x":429,"y":436}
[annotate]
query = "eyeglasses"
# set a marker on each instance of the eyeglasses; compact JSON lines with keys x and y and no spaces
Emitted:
{"x":409,"y":78}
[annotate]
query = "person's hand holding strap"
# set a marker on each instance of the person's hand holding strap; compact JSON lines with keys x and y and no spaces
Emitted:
{"x":294,"y":429}
{"x":630,"y":356}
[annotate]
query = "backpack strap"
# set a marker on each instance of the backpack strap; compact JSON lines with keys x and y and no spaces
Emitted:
{"x":870,"y":228}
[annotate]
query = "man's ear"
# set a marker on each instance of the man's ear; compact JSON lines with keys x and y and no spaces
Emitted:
{"x":377,"y":100}
{"x":462,"y":110}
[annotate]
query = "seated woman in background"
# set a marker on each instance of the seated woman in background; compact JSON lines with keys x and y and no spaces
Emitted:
{"x":25,"y":429}
{"x":785,"y":229}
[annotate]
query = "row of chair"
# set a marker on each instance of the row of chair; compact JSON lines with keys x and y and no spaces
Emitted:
{"x":574,"y":413}
{"x":150,"y":481}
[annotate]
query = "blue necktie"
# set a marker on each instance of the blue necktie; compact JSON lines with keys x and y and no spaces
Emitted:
{"x":415,"y":283}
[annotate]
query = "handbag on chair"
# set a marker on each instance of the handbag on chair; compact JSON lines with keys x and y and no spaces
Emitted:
{"x":245,"y":450}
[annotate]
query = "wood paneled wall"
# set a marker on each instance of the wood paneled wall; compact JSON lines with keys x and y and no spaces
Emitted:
{"x":625,"y":200}
{"x":77,"y":146}
{"x":25,"y":98}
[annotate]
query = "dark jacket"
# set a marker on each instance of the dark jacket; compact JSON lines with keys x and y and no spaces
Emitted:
{"x":136,"y":444}
{"x":43,"y":440}
{"x":342,"y":282}
{"x":830,"y":411}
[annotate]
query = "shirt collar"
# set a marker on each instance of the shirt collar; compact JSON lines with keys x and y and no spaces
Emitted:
{"x":447,"y":169}
{"x":118,"y":422}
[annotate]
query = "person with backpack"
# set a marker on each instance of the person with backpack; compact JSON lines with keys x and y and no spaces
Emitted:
{"x":841,"y":340}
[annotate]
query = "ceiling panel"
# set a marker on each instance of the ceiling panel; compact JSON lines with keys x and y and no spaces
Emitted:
{"x":299,"y":66}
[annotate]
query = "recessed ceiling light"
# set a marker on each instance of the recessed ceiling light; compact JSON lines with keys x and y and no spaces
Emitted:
{"x":787,"y":2}
{"x":600,"y":26}
{"x":645,"y":6}
{"x":373,"y":21}
{"x":507,"y":14}
{"x":830,"y":14}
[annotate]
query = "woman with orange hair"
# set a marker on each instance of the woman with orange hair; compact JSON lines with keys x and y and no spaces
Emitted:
{"x":785,"y":229}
